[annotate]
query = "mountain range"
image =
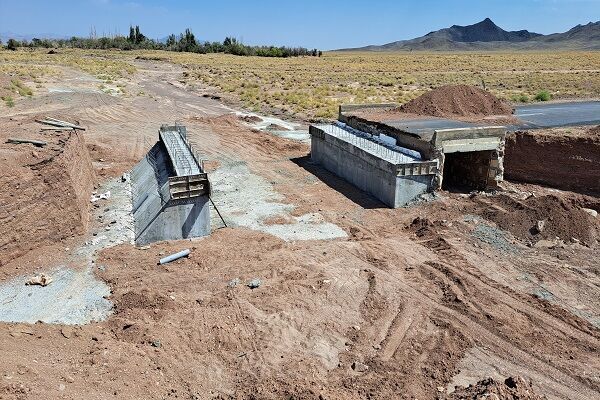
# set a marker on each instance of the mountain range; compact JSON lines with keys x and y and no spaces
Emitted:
{"x":486,"y":35}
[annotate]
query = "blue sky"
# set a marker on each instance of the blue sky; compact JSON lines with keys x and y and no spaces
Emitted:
{"x":325,"y":24}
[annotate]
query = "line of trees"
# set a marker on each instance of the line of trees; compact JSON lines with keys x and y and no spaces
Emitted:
{"x":186,"y":42}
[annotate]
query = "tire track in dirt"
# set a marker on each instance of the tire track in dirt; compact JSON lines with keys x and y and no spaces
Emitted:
{"x":471,"y":322}
{"x":404,"y":321}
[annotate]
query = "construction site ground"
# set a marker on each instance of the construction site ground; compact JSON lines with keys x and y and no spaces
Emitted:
{"x":356,"y":301}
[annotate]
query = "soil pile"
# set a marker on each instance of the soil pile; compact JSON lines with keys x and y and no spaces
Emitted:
{"x":513,"y":388}
{"x":567,"y":161}
{"x":47,"y":200}
{"x":520,"y":217}
{"x":457,"y":101}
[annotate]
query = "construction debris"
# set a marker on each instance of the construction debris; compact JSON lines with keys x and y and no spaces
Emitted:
{"x":254,"y":283}
{"x":539,"y":226}
{"x":57,"y":129}
{"x":37,"y":143}
{"x":176,"y":256}
{"x":234,"y":282}
{"x":359,"y":367}
{"x":59,"y":123}
{"x":41,"y":280}
{"x":102,"y":196}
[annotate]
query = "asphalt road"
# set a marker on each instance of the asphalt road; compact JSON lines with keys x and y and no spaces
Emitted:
{"x":534,"y":116}
{"x":559,"y":114}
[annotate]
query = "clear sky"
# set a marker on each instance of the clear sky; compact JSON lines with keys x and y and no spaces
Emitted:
{"x":324,"y":24}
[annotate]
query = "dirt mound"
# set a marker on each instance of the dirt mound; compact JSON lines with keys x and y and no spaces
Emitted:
{"x":45,"y":201}
{"x":457,"y":101}
{"x":513,"y":388}
{"x":559,"y":159}
{"x":520,"y":217}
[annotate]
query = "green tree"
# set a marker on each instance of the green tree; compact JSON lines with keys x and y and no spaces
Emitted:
{"x":12,"y":44}
{"x":171,"y":40}
{"x":188,"y":42}
{"x":131,"y":38}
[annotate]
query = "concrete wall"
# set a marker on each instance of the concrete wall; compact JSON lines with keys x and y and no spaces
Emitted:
{"x":367,"y":172}
{"x":408,"y":188}
{"x":156,"y":216}
{"x":177,"y":220}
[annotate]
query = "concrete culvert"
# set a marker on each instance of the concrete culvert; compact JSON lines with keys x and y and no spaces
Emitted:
{"x":466,"y":171}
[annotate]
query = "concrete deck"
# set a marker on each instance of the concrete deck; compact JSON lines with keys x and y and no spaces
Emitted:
{"x":534,"y":116}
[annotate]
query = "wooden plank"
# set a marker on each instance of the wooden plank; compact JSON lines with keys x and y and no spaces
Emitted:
{"x":37,"y":143}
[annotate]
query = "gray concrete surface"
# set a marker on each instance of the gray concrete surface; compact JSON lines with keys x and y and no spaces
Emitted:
{"x":368,"y":165}
{"x":74,"y":297}
{"x":249,"y":200}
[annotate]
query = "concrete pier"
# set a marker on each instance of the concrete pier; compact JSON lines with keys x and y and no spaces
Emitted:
{"x":170,"y":191}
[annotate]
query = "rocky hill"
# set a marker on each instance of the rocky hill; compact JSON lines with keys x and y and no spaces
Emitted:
{"x":486,"y":35}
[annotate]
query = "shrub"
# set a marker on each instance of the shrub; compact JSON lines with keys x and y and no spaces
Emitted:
{"x":9,"y":101}
{"x":12,"y":44}
{"x":543,"y":95}
{"x":520,"y":98}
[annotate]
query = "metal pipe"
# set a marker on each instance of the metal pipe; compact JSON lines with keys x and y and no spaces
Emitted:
{"x":176,"y":256}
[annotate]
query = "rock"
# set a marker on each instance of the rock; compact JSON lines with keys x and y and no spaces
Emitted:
{"x":593,"y":213}
{"x":234,"y":282}
{"x":66,"y":332}
{"x":155,"y":343}
{"x":359,"y":367}
{"x":41,"y":280}
{"x":539,"y":226}
{"x":377,"y":347}
{"x":254,"y":283}
{"x":548,"y":244}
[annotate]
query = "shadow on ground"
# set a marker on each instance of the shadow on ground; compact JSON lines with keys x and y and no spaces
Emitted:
{"x":338,"y":184}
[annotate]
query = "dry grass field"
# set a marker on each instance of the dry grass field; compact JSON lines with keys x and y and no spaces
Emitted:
{"x":312,"y":88}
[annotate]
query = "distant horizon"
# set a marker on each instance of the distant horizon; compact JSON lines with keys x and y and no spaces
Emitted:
{"x":329,"y":26}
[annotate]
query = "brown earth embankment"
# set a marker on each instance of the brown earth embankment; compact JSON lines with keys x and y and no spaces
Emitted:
{"x":46,"y":198}
{"x":564,"y":161}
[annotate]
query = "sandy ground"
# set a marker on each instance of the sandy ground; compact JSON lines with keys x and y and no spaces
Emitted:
{"x":356,"y":300}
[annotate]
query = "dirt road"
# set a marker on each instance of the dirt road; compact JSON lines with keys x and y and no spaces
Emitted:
{"x":405,"y":303}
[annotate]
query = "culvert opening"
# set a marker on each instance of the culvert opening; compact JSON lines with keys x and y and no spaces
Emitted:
{"x":464,"y":172}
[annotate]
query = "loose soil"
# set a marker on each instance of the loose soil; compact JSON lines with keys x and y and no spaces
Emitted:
{"x":512,"y":388}
{"x":520,"y":218}
{"x":457,"y":101}
{"x":411,"y":298}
